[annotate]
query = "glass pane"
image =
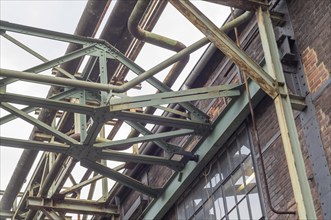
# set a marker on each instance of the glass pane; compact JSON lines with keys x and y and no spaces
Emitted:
{"x":189,"y":207}
{"x":244,"y":143}
{"x":224,"y":165}
{"x":206,"y":190}
{"x":196,"y":197}
{"x":197,"y":203}
{"x":219,"y":204}
{"x":213,"y":176}
{"x":243,"y":210}
{"x":233,"y":214}
{"x":239,"y":185}
{"x":215,"y":180}
{"x":229,"y":194}
{"x":250,"y":180}
{"x":254,"y":201}
{"x":181,"y":211}
{"x":209,"y":212}
{"x":234,"y":155}
{"x":199,"y":215}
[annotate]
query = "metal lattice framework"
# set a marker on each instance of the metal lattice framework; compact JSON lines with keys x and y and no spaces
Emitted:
{"x":94,"y":104}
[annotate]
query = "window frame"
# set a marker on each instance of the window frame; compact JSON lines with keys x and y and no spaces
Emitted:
{"x":224,"y":152}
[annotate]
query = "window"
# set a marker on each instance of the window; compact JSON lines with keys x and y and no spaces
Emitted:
{"x":227,"y":188}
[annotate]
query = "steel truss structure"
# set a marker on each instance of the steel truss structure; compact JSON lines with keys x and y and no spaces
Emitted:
{"x":93,"y":104}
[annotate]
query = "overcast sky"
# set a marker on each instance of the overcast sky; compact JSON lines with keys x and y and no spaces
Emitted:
{"x":63,"y":16}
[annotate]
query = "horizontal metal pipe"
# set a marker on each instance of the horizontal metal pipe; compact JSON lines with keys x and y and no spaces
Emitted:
{"x":188,"y":50}
{"x":225,"y":28}
{"x":87,"y":26}
{"x":123,"y":88}
{"x":158,"y":40}
{"x":93,"y":9}
{"x":31,"y":77}
{"x":149,"y":37}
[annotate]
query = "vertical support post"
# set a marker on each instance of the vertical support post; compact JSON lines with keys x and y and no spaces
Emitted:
{"x":104,"y":162}
{"x":82,"y":117}
{"x":103,"y":74}
{"x":291,"y":144}
{"x":103,"y":79}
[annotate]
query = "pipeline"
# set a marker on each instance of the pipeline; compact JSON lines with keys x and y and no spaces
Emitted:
{"x":125,"y":87}
{"x":197,"y":45}
{"x":28,"y":156}
{"x":147,"y":148}
{"x":256,"y":135}
{"x":158,"y":40}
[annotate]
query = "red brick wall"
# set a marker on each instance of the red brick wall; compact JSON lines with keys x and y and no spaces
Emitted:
{"x":315,"y":71}
{"x":323,"y":109}
{"x":311,"y":23}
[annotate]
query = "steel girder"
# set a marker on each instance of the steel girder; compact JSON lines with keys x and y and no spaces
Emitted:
{"x":62,"y":157}
{"x":273,"y":83}
{"x":230,"y":119}
{"x":71,"y":206}
{"x":290,"y":138}
{"x":88,"y":152}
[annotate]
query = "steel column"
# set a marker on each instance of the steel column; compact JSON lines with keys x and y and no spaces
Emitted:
{"x":227,"y":46}
{"x":291,"y":144}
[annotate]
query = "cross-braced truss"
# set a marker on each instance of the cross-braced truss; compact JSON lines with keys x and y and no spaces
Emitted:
{"x":94,"y":99}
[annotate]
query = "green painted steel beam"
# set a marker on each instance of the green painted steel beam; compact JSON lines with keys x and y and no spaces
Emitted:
{"x":9,"y":215}
{"x":298,"y":102}
{"x":71,"y":206}
{"x":34,"y":178}
{"x":121,"y":178}
{"x":174,"y":97}
{"x":82,"y":184}
{"x":34,"y":145}
{"x":227,"y":46}
{"x":140,"y":159}
{"x":161,"y":143}
{"x":49,"y":214}
{"x":228,"y":121}
{"x":173,"y":111}
{"x":46,"y":103}
{"x":58,"y":96}
{"x":286,"y":121}
{"x":38,"y":32}
{"x":241,"y":4}
{"x":34,"y":53}
{"x":53,"y":63}
{"x":93,"y":132}
{"x":146,"y":138}
{"x":49,"y":80}
{"x":37,"y":123}
{"x":161,"y":120}
{"x":105,"y":46}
